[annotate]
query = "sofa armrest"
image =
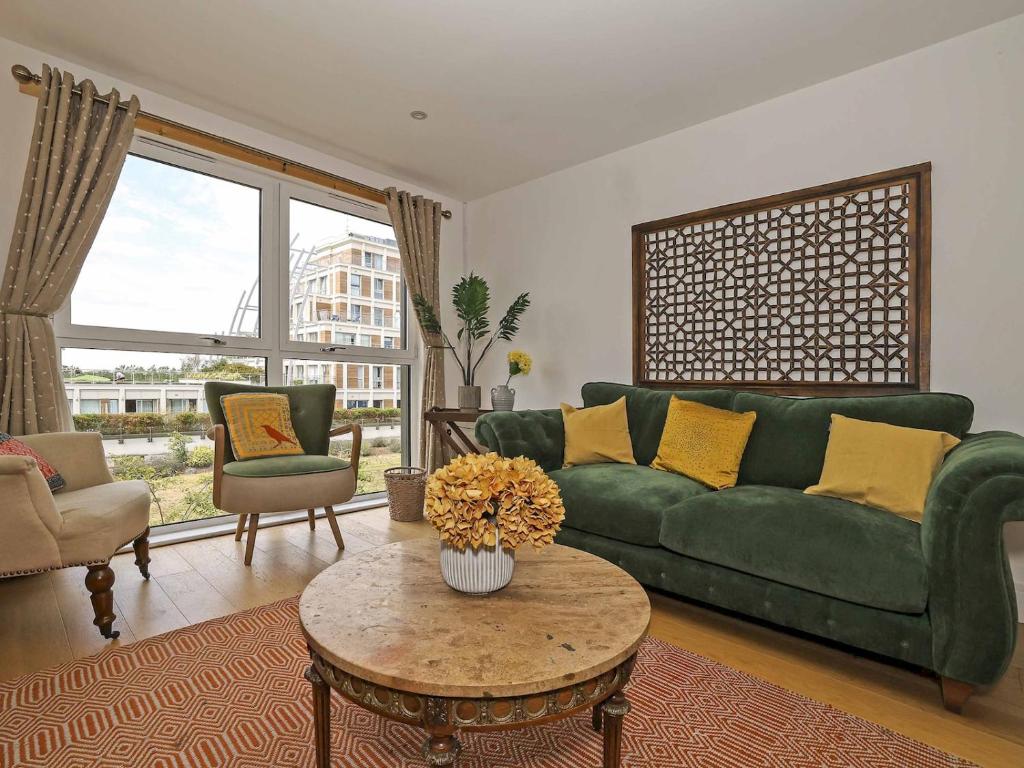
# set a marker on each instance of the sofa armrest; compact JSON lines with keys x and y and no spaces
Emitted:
{"x":30,"y":519}
{"x":971,"y":604}
{"x":78,"y":456}
{"x":538,"y":435}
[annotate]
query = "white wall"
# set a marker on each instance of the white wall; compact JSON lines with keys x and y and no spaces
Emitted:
{"x":959,"y":104}
{"x":17,"y":112}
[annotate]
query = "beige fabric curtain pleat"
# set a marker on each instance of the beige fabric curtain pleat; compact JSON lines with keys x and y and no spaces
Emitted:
{"x":417,"y":223}
{"x":78,"y":148}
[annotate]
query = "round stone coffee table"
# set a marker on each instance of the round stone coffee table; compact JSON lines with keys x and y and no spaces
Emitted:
{"x":385,"y":631}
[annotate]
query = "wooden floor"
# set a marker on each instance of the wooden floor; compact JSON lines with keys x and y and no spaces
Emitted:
{"x":48,"y":620}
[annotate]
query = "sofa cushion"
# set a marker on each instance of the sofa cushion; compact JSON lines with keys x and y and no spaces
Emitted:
{"x":621,"y":501}
{"x":787,"y":444}
{"x":100,"y":519}
{"x":647,"y":409}
{"x":283,"y":466}
{"x":829,"y":546}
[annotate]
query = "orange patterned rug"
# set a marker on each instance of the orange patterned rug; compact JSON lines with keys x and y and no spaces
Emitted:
{"x":230,"y":692}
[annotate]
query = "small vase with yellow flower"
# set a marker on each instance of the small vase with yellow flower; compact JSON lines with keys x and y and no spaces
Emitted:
{"x":503,"y":397}
{"x":485,"y":507}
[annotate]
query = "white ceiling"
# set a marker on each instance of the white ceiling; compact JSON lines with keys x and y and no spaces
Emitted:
{"x":515,"y":89}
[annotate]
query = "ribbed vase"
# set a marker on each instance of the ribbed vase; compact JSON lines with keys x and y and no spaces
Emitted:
{"x":477,"y":571}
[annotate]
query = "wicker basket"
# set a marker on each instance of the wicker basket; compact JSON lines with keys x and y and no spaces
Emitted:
{"x":406,"y":489}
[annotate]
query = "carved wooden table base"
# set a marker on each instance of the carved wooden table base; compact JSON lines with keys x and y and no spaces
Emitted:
{"x":443,"y":717}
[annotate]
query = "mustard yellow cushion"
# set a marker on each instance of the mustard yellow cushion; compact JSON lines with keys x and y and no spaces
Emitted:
{"x":260,"y":425}
{"x":881,"y":465}
{"x":706,"y":444}
{"x":598,"y":434}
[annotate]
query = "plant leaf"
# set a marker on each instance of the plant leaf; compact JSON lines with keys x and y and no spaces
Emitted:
{"x":471,"y":298}
{"x":509,"y":324}
{"x":426,"y":314}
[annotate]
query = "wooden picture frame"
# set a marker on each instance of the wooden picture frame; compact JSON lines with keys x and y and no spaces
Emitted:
{"x":824,"y":290}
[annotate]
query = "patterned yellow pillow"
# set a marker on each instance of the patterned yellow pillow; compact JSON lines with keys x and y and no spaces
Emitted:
{"x":703,"y":443}
{"x":260,"y":425}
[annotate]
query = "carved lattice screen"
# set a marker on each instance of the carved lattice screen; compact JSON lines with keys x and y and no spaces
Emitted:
{"x":822,"y":290}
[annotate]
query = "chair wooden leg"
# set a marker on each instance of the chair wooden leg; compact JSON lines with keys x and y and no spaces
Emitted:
{"x":99,"y":580}
{"x":955,"y":694}
{"x":240,"y":528}
{"x":141,"y":547}
{"x":333,"y":520}
{"x":312,"y":519}
{"x":250,"y":541}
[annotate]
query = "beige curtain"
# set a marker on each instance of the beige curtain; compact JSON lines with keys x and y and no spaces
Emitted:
{"x":78,"y":147}
{"x":417,"y":223}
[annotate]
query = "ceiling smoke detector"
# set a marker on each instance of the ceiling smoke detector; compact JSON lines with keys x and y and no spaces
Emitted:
{"x":418,"y":114}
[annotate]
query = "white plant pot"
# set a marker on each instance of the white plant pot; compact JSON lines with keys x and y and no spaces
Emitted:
{"x":477,"y":571}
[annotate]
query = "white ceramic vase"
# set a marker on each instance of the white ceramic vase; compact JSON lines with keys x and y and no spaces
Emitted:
{"x":503,"y":398}
{"x":477,"y":571}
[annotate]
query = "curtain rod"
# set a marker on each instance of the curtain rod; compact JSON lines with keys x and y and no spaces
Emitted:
{"x":31,"y":84}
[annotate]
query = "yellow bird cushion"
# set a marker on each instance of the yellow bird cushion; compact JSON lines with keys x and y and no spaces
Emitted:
{"x":260,"y":425}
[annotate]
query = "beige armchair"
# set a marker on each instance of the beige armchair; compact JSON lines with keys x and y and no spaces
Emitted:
{"x":83,"y":524}
{"x":284,"y":483}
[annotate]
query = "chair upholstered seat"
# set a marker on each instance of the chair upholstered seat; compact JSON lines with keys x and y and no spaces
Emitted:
{"x":284,"y":466}
{"x":100,"y":519}
{"x":256,"y":494}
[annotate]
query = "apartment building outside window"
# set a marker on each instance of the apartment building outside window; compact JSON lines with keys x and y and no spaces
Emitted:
{"x":378,"y":287}
{"x":355,"y":284}
{"x":378,"y":316}
{"x":373,"y":260}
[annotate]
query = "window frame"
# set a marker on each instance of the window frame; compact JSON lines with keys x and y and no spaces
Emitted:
{"x":273,"y":344}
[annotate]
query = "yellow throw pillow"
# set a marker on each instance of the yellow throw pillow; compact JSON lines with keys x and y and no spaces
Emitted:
{"x":260,"y":425}
{"x":706,"y":444}
{"x":597,"y":434}
{"x":881,"y":465}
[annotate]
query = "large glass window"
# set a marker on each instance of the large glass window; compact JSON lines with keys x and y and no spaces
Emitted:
{"x":180,"y":288}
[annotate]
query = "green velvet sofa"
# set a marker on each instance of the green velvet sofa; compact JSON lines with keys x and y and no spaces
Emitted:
{"x":936,"y":594}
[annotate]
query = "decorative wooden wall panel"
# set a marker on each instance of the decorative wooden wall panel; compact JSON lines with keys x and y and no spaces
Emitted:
{"x":820,"y":291}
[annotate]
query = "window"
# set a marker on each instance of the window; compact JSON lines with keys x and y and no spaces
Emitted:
{"x":357,"y":404}
{"x":360,"y":376}
{"x":204,"y":268}
{"x":389,"y":342}
{"x":378,"y":316}
{"x":373,"y":260}
{"x":378,"y":377}
{"x":172,"y":233}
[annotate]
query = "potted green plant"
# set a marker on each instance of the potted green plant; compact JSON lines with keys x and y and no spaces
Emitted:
{"x":471,"y":298}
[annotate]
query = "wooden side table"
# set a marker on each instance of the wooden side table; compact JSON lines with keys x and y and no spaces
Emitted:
{"x":446,"y":422}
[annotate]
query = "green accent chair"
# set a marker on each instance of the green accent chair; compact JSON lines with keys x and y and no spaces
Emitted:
{"x":937,"y":594}
{"x":283,"y":483}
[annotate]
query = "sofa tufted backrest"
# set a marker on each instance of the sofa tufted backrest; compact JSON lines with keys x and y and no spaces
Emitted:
{"x":787,"y":444}
{"x":311,"y":406}
{"x":647,"y":409}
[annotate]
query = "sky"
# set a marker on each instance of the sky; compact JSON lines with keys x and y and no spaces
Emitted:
{"x":178,"y":250}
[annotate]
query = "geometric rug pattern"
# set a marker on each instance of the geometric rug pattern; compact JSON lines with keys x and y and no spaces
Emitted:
{"x":230,"y":693}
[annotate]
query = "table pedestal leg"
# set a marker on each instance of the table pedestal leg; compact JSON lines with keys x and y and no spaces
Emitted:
{"x":595,"y":717}
{"x":615,"y":709}
{"x":441,"y":749}
{"x":321,"y":717}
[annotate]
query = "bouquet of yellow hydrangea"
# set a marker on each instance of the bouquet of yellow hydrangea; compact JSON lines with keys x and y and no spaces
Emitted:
{"x":474,"y":496}
{"x":519,"y":364}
